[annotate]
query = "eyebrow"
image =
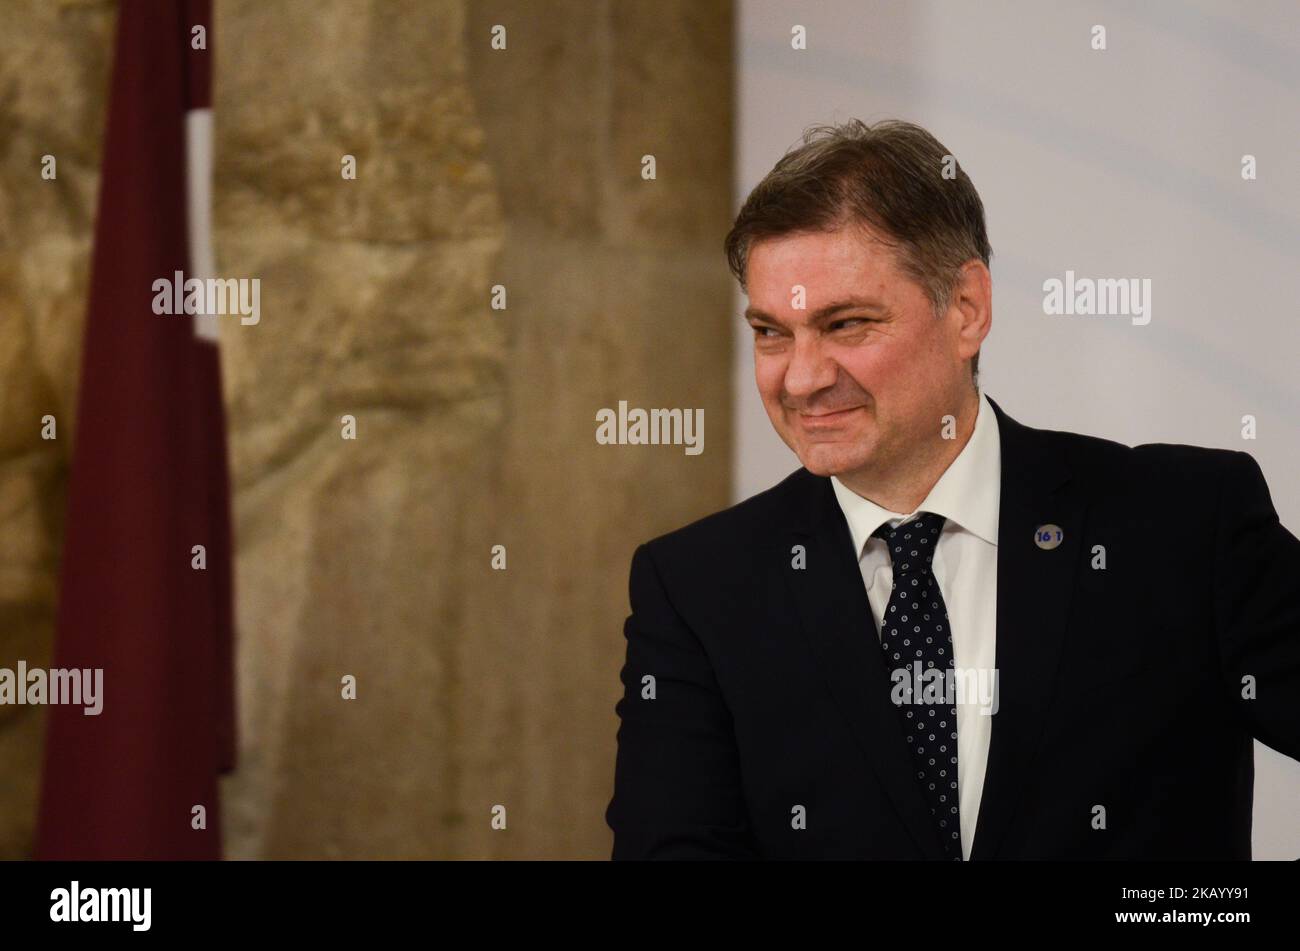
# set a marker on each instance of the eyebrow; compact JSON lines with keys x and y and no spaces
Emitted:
{"x":821,"y":314}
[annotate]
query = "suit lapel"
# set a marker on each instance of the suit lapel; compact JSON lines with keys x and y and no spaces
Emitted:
{"x":1034,"y":589}
{"x":840,"y":628}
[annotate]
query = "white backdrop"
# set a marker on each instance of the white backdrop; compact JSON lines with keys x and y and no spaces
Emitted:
{"x":1119,"y":163}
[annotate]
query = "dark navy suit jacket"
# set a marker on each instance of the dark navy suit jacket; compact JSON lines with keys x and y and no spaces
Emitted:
{"x":1119,"y":687}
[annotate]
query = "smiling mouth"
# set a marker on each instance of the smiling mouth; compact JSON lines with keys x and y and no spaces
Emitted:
{"x":836,"y":412}
{"x":816,"y":418}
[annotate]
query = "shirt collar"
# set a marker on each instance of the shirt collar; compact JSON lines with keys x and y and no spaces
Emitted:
{"x":967,"y":494}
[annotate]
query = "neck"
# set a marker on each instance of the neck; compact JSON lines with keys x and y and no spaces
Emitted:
{"x":903,"y":486}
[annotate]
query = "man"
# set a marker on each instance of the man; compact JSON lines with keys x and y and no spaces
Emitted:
{"x":949,"y":635}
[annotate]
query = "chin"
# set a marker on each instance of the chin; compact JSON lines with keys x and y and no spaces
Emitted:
{"x":829,"y":461}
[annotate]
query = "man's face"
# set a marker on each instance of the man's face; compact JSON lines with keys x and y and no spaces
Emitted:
{"x":857,"y":380}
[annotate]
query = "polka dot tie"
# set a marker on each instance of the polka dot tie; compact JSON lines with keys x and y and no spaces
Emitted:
{"x":915,"y":629}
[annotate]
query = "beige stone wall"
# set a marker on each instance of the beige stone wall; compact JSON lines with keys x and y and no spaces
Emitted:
{"x":54,"y":62}
{"x":475,"y":427}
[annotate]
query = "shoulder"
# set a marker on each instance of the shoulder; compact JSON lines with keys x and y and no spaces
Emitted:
{"x":1158,"y":466}
{"x":740,"y":528}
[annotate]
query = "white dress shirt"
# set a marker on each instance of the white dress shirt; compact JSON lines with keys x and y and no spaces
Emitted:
{"x":965,"y":567}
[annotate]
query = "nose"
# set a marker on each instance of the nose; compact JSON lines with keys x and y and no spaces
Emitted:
{"x":810,"y":370}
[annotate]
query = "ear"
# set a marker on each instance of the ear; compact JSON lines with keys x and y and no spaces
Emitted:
{"x":970,"y":307}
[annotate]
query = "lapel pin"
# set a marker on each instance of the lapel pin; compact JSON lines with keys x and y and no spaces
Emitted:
{"x":1048,"y":536}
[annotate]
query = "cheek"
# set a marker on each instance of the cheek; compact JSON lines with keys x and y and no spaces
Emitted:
{"x":885,"y":361}
{"x":872,"y":368}
{"x":768,"y":374}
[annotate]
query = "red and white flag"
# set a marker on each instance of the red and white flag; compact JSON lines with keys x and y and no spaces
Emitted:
{"x":138,"y":597}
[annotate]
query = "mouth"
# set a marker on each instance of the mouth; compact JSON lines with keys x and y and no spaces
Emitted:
{"x":826,"y":419}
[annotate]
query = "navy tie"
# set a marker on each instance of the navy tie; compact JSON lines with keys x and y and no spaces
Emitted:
{"x":915,"y":630}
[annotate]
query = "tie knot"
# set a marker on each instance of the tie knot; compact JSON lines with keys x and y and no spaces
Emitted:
{"x":911,"y":544}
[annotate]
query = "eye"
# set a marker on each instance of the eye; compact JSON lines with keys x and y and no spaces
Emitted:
{"x":760,"y":331}
{"x":848,"y":321}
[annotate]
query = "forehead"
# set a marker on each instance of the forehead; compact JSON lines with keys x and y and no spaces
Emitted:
{"x":824,"y":262}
